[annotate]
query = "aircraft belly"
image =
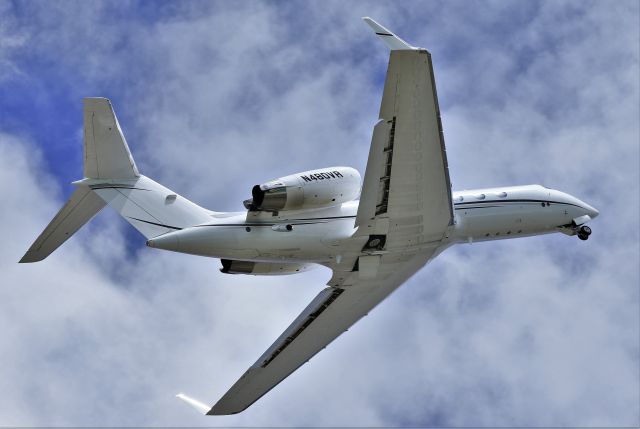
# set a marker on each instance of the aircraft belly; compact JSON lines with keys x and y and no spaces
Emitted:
{"x":312,"y":242}
{"x":214,"y":241}
{"x":304,"y":242}
{"x":509,"y":221}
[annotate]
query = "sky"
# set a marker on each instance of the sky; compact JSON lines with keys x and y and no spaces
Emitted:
{"x":215,"y":97}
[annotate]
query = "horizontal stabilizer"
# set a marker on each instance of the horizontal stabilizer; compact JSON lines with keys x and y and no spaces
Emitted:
{"x":391,"y":40}
{"x":81,"y":207}
{"x":199,"y":406}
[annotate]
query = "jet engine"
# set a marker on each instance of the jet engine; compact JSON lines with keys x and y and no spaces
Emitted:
{"x":325,"y":187}
{"x":231,"y":266}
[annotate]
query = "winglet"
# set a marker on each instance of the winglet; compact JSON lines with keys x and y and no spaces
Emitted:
{"x":392,"y":41}
{"x":202,"y":408}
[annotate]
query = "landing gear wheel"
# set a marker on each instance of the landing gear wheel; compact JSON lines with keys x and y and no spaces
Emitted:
{"x":585,"y":230}
{"x":375,"y":242}
{"x":583,"y":236}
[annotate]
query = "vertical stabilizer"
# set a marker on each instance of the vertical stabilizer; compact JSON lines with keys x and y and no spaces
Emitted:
{"x":106,"y":153}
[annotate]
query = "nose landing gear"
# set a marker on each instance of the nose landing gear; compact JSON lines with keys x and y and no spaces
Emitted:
{"x":584,"y":232}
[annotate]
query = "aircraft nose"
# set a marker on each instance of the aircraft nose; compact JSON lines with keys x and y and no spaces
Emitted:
{"x":591,"y":211}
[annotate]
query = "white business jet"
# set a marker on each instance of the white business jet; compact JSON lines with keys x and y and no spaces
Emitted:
{"x":407,"y":214}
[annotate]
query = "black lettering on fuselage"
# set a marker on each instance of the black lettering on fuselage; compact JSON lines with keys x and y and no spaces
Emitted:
{"x":322,"y":176}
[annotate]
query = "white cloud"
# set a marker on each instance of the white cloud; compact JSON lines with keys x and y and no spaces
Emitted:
{"x":522,"y":332}
{"x":12,"y":38}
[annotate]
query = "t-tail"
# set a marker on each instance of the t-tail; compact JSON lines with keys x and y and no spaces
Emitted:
{"x":111,"y":178}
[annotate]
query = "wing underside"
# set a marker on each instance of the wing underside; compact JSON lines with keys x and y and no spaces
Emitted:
{"x":331,"y":313}
{"x":407,"y":190}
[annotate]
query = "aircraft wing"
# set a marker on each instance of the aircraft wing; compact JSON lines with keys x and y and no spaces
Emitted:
{"x":404,"y":214}
{"x":406,"y":187}
{"x":332,"y":312}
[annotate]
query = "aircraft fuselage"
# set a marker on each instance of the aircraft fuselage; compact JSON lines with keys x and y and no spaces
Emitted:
{"x":322,"y":235}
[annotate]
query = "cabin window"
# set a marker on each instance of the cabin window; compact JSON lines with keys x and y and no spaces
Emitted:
{"x":481,"y":196}
{"x":458,"y":199}
{"x":502,"y":195}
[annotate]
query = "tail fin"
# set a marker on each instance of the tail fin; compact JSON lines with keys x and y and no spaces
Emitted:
{"x":111,"y":177}
{"x":106,"y":153}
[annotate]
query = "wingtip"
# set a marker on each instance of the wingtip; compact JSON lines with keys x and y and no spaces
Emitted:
{"x":30,"y":257}
{"x":390,"y":39}
{"x":194,"y":403}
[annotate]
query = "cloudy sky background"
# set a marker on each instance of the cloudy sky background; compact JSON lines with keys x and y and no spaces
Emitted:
{"x":215,"y":97}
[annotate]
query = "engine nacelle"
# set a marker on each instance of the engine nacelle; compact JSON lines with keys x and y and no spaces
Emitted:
{"x":324,"y":187}
{"x":231,"y":266}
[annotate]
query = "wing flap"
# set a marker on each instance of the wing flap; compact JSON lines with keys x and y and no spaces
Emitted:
{"x":375,"y":183}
